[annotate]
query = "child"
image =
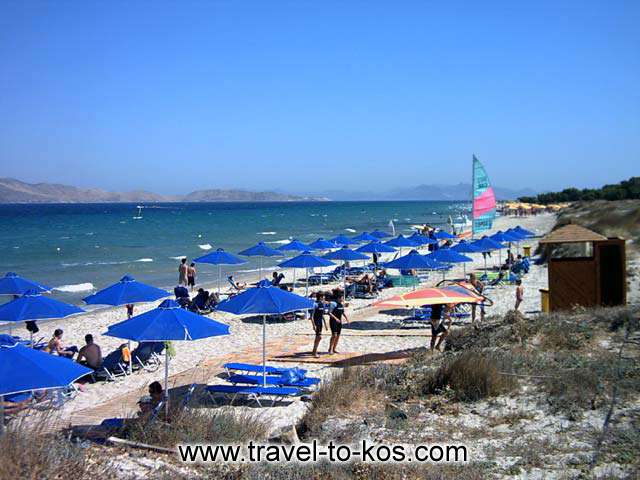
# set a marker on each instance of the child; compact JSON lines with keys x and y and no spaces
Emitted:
{"x":519,"y":294}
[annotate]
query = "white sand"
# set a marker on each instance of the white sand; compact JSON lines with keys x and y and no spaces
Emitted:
{"x":245,"y":335}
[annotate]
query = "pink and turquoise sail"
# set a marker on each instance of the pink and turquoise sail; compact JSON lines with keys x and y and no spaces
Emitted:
{"x":484,"y":200}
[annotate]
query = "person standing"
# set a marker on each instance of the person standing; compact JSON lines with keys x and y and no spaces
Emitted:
{"x":519,"y":294}
{"x":478,"y":286}
{"x":337,"y":317}
{"x":191,"y":276}
{"x":437,"y":324}
{"x":182,"y":272}
{"x":318,"y":321}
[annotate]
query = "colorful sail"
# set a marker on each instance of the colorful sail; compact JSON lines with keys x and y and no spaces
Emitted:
{"x":484,"y":200}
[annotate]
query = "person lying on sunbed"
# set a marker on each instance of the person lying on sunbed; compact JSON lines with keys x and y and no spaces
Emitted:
{"x":236,"y":285}
{"x":277,"y":278}
{"x":368,"y":282}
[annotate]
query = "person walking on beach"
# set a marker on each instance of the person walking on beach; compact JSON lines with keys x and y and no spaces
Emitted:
{"x":478,"y":286}
{"x":337,"y":317}
{"x":191,"y":276}
{"x":318,"y":321}
{"x":437,"y":325}
{"x":182,"y":272}
{"x":519,"y":294}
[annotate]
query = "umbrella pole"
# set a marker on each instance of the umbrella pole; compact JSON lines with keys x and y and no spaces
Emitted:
{"x":129,"y":347}
{"x":166,"y":380}
{"x":1,"y":415}
{"x":306,"y":288}
{"x":260,"y":269}
{"x":219,"y":275}
{"x":264,"y":350}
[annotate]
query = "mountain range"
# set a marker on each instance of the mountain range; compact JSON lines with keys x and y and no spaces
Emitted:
{"x":16,"y":191}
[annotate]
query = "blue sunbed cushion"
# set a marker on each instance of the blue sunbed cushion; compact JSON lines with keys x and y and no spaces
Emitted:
{"x":249,"y":390}
{"x":273,"y":380}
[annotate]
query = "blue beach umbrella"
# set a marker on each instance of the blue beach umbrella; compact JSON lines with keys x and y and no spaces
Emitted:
{"x":24,"y":369}
{"x":414,"y":261}
{"x":346,"y":255}
{"x":515,"y":234}
{"x":125,"y":292}
{"x":380,"y":234}
{"x":364,"y":237}
{"x":401,"y":241}
{"x":295,"y":245}
{"x":464,"y":247}
{"x":420,"y":239}
{"x":524,"y":231}
{"x":322,"y":244}
{"x":261,"y":250}
{"x":306,"y":260}
{"x":501,"y":236}
{"x":167,"y":322}
{"x":14,"y":284}
{"x":220,"y":257}
{"x":375,"y":247}
{"x":447,"y":255}
{"x":486,"y":244}
{"x":265,"y":299}
{"x":442,"y":235}
{"x":343,"y":240}
{"x":34,"y":306}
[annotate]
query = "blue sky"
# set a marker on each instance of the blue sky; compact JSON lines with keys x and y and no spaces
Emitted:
{"x":175,"y":96}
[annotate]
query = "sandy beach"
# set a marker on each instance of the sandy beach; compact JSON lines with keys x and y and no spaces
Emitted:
{"x":362,"y":336}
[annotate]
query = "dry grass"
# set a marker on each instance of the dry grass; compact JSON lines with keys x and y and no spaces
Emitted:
{"x":471,"y":376}
{"x":198,"y":426}
{"x":32,"y":451}
{"x":352,"y":391}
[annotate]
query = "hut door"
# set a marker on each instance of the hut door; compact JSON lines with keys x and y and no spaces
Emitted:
{"x":612,"y":275}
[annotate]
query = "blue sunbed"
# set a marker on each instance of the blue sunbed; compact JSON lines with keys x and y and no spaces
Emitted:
{"x":252,"y":368}
{"x":275,"y":380}
{"x":253,"y":392}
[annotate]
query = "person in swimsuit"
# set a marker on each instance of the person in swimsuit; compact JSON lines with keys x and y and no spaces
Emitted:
{"x":519,"y":294}
{"x":318,"y":321}
{"x":437,"y":324}
{"x":90,"y":355}
{"x":182,"y":272}
{"x":55,"y":345}
{"x":337,"y":317}
{"x":191,"y":276}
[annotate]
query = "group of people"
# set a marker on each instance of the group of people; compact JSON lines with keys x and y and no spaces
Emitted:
{"x":187,"y":274}
{"x":333,"y":309}
{"x":90,"y":355}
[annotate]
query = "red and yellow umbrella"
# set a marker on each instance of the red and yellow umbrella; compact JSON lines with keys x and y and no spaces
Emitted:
{"x":431,"y":296}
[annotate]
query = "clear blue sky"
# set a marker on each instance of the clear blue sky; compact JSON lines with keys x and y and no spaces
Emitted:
{"x":308,"y":95}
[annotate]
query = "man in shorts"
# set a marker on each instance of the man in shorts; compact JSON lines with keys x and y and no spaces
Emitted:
{"x":318,"y":321}
{"x":337,"y":317}
{"x":437,"y":325}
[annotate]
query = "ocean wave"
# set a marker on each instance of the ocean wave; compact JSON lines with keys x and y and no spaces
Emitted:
{"x":280,"y":242}
{"x":205,"y":246}
{"x":249,"y":270}
{"x":75,"y":288}
{"x":144,"y":260}
{"x":267,"y":233}
{"x":179,"y":257}
{"x":350,"y":230}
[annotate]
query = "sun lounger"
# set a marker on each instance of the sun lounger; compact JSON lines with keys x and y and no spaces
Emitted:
{"x":254,"y":393}
{"x":146,"y":356}
{"x":274,"y":380}
{"x":114,"y":365}
{"x":116,"y":423}
{"x":252,"y":368}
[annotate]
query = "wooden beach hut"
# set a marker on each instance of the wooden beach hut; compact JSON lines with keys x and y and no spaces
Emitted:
{"x":585,"y":268}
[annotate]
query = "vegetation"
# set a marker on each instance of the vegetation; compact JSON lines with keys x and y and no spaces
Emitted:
{"x":625,"y":190}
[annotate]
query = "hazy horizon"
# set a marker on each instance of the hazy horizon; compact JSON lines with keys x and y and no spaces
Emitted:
{"x":298,"y":98}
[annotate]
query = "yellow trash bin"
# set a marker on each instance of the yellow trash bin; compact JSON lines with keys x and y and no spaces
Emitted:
{"x":527,"y":250}
{"x":544,"y":300}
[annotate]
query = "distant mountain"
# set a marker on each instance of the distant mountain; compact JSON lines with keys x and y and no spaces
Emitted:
{"x":461,"y":191}
{"x":15,"y":191}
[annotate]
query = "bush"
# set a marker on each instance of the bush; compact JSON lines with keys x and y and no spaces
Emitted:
{"x":352,"y":390}
{"x":32,"y":451}
{"x":198,"y":426}
{"x":471,"y":376}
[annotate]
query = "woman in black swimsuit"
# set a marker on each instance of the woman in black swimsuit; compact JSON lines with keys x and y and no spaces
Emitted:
{"x":336,"y":318}
{"x":318,"y":321}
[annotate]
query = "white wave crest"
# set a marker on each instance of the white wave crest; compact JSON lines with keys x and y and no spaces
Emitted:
{"x":267,"y":233}
{"x":280,"y":242}
{"x":76,"y":287}
{"x":350,"y":230}
{"x":144,"y":260}
{"x":205,"y":246}
{"x":179,"y":257}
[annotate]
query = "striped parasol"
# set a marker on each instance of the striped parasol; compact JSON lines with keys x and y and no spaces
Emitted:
{"x":431,"y":296}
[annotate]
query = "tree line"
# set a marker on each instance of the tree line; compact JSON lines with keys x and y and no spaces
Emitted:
{"x":626,"y":189}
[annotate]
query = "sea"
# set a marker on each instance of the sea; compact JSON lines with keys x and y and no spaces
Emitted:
{"x":77,"y":248}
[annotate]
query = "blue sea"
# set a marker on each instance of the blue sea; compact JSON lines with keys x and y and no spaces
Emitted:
{"x":77,"y":247}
